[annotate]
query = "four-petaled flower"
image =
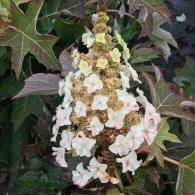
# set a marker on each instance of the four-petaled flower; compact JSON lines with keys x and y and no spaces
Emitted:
{"x":120,"y":146}
{"x":93,"y":83}
{"x":82,"y":144}
{"x":98,"y":170}
{"x":80,"y":109}
{"x":84,"y":67}
{"x":130,"y":162}
{"x":102,"y":63}
{"x":88,"y":39}
{"x":100,"y":38}
{"x":99,"y":102}
{"x":115,"y":55}
{"x":81,"y":176}
{"x":95,"y":126}
{"x":115,"y":119}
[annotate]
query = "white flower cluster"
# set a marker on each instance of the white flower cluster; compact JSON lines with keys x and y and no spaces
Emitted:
{"x":99,"y":115}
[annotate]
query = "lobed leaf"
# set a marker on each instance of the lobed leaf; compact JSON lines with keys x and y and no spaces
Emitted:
{"x":22,"y":37}
{"x":26,"y":106}
{"x":188,"y":127}
{"x":33,"y":181}
{"x":164,"y":135}
{"x":10,"y":87}
{"x":180,"y":151}
{"x":143,"y":55}
{"x":147,"y":8}
{"x":160,"y":37}
{"x":186,"y":177}
{"x":152,"y":6}
{"x":166,"y":101}
{"x":187,"y":74}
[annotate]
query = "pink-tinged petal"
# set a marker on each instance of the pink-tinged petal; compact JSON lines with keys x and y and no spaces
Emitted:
{"x":150,"y":136}
{"x":156,"y":117}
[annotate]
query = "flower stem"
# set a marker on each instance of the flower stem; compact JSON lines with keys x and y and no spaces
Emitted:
{"x":171,"y":160}
{"x":117,"y":175}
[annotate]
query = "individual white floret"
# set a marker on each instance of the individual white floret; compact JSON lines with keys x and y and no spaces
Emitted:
{"x":115,"y":119}
{"x":95,"y":126}
{"x":82,"y":144}
{"x":80,"y":109}
{"x":99,"y":102}
{"x":93,"y":83}
{"x":130,"y":162}
{"x":81,"y":176}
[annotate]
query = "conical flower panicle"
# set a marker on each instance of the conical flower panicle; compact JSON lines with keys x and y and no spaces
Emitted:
{"x":99,"y":115}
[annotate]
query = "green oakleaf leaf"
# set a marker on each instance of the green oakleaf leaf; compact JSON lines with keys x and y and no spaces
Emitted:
{"x":22,"y":37}
{"x":185,"y":79}
{"x":164,"y":135}
{"x":26,"y":106}
{"x":141,"y":55}
{"x":161,"y":37}
{"x":188,"y":127}
{"x":33,"y":181}
{"x":4,"y":13}
{"x":157,"y":145}
{"x":168,"y":103}
{"x":165,"y":100}
{"x":10,"y":86}
{"x":5,"y":8}
{"x":180,"y":151}
{"x":147,"y":8}
{"x":145,"y":181}
{"x":6,"y":3}
{"x":187,"y":74}
{"x":153,"y":6}
{"x":186,"y":177}
{"x":113,"y":191}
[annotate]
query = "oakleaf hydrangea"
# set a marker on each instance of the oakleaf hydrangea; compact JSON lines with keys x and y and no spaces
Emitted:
{"x":101,"y":117}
